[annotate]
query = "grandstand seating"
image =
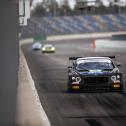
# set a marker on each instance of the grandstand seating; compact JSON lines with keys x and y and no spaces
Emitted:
{"x":74,"y":25}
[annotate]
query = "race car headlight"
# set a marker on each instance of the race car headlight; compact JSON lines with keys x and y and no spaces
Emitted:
{"x":118,"y":76}
{"x":78,"y":79}
{"x":73,"y":78}
{"x":115,"y":77}
{"x":53,"y":48}
{"x":43,"y":49}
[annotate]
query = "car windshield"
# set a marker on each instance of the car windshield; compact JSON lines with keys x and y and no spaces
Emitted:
{"x":48,"y":46}
{"x":94,"y":65}
{"x":37,"y":43}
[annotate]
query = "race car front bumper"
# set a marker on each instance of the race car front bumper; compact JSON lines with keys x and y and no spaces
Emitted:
{"x":108,"y":87}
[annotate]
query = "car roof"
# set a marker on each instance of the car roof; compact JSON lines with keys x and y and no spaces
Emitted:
{"x":92,"y":59}
{"x":36,"y":43}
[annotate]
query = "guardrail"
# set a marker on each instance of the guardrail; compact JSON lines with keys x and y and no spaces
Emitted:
{"x":108,"y":43}
{"x":75,"y":36}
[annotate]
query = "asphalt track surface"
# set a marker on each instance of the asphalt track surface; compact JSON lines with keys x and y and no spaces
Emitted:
{"x":49,"y":72}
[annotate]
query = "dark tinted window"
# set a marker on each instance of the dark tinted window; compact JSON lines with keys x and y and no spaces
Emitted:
{"x":94,"y":65}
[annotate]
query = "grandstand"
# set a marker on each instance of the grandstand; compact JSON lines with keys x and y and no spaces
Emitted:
{"x":74,"y":25}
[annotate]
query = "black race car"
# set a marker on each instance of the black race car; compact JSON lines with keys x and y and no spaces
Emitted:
{"x":94,"y":73}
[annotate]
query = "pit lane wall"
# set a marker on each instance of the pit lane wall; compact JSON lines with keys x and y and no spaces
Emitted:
{"x":116,"y":43}
{"x":108,"y":43}
{"x":29,"y":111}
{"x":76,"y":36}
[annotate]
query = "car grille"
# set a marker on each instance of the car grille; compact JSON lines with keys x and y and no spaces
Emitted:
{"x":48,"y":48}
{"x":96,"y":80}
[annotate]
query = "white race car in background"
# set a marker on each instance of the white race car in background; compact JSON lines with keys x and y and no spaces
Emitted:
{"x":36,"y":46}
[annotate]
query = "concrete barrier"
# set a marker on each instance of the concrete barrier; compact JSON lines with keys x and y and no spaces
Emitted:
{"x":119,"y":37}
{"x":107,"y":43}
{"x":29,"y":109}
{"x":26,"y":41}
{"x":76,"y":36}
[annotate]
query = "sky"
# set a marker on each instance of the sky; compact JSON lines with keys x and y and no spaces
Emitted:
{"x":72,"y":2}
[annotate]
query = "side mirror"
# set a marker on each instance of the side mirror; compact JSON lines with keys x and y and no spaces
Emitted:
{"x":118,"y":64}
{"x":69,"y":69}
